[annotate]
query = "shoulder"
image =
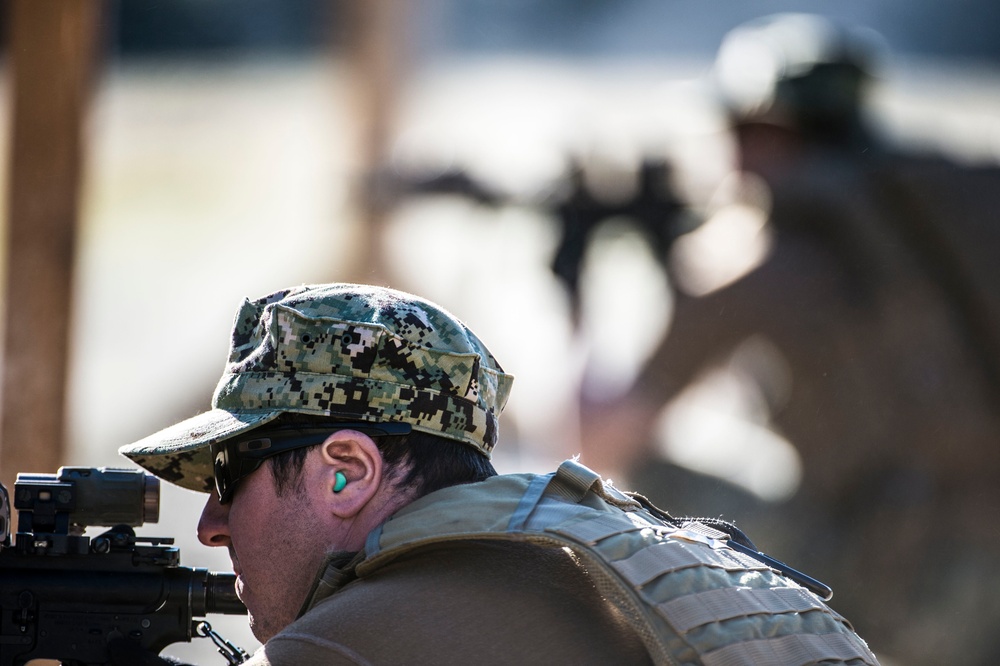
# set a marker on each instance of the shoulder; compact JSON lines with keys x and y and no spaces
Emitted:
{"x":472,"y":602}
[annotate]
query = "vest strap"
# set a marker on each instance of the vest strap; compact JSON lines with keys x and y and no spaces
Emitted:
{"x":665,"y":557}
{"x":372,"y":541}
{"x":694,"y":610}
{"x":573,"y":481}
{"x":528,"y":502}
{"x":793,"y":649}
{"x":594,"y":530}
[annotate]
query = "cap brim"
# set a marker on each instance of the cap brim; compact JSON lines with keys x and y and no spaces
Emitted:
{"x":180,"y":454}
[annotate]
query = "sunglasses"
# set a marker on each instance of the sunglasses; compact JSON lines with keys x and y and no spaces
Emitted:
{"x":236,"y":458}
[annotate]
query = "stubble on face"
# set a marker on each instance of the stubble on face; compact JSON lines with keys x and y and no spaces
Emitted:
{"x":278,"y":544}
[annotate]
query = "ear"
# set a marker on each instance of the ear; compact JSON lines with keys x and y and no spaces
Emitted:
{"x":356,"y":456}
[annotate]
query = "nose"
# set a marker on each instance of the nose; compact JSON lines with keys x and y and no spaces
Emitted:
{"x":213,"y":527}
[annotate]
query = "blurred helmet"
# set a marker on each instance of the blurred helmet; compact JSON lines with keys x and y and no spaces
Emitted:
{"x":799,"y":71}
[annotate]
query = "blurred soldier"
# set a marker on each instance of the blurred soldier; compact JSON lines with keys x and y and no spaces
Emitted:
{"x":878,"y":314}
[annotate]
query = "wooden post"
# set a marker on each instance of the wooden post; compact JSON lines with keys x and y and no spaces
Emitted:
{"x":376,"y":54}
{"x":53,"y":48}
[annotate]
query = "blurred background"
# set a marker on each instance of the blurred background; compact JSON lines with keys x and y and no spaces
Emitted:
{"x":743,"y":265}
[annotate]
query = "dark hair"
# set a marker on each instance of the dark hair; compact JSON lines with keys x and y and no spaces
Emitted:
{"x":433,"y":462}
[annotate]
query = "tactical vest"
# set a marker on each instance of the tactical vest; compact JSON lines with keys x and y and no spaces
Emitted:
{"x":690,"y":595}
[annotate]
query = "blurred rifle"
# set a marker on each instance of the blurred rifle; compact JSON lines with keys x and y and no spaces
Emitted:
{"x":66,"y":596}
{"x":654,"y":209}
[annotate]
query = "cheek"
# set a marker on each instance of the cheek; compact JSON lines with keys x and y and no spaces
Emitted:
{"x":281,"y":530}
{"x":253,"y":519}
{"x":240,"y":524}
{"x":245,"y":508}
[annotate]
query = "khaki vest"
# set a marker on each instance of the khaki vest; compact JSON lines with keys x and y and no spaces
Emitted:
{"x":691,"y":597}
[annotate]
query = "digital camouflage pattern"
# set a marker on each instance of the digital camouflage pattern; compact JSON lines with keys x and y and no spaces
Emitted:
{"x":342,"y":350}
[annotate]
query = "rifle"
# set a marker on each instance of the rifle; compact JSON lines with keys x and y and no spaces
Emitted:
{"x":66,"y":596}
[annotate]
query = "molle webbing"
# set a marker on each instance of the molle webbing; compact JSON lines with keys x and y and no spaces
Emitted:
{"x":701,"y":608}
{"x":691,"y":598}
{"x":793,"y":649}
{"x":664,"y":558}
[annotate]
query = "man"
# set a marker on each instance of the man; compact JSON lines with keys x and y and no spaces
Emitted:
{"x":866,"y":335}
{"x":347,"y":461}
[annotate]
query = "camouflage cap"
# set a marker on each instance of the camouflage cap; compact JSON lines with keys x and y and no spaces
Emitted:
{"x":342,"y":350}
